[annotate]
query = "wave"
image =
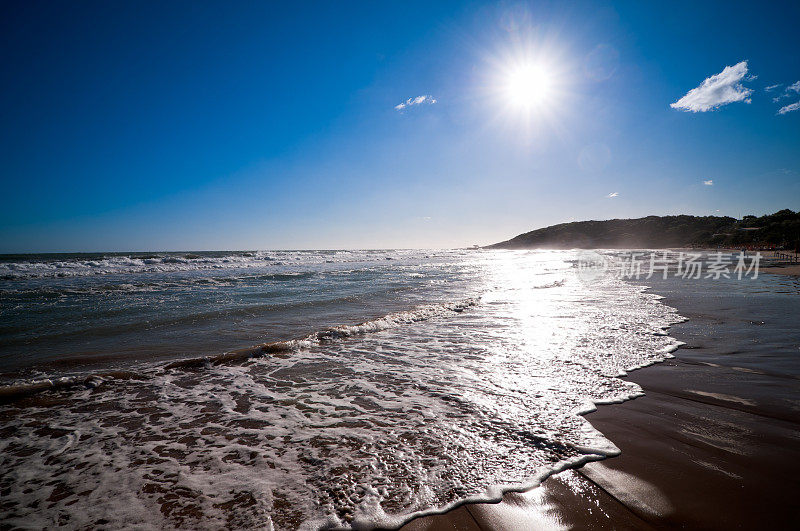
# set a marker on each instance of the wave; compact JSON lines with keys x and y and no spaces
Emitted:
{"x":16,"y":391}
{"x":150,"y":286}
{"x":97,"y":329}
{"x":10,"y":393}
{"x":79,"y":266}
{"x":76,"y":267}
{"x":391,"y":320}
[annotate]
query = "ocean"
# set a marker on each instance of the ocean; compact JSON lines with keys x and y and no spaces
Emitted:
{"x":305,"y":389}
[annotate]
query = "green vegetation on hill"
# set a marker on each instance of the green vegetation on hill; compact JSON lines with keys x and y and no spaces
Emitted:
{"x":781,"y":229}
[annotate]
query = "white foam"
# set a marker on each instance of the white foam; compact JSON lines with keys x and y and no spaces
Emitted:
{"x":164,"y":262}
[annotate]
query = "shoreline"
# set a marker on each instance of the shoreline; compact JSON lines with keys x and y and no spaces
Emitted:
{"x":791,"y":270}
{"x":711,"y":445}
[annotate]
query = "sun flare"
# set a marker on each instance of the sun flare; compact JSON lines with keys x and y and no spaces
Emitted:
{"x":528,"y":86}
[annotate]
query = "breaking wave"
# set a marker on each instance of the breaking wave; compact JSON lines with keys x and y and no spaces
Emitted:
{"x":78,"y":266}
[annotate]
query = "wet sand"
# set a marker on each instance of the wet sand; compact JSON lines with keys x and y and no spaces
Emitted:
{"x":714,"y":444}
{"x":782,"y":270}
{"x":785,"y":268}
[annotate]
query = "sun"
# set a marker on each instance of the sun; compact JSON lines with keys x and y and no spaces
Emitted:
{"x":527,"y":86}
{"x":527,"y":83}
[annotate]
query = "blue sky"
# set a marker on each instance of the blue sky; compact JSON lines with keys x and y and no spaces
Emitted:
{"x":191,"y":125}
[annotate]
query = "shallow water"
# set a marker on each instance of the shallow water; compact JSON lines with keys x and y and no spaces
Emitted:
{"x":467,"y":377}
{"x":75,"y":310}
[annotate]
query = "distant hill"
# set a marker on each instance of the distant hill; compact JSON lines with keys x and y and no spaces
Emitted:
{"x":779,"y":229}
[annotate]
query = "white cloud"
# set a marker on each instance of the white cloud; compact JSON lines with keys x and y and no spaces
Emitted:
{"x":716,"y":91}
{"x":612,"y":195}
{"x":419,"y":100}
{"x":794,"y":87}
{"x":708,"y":182}
{"x":772,"y":87}
{"x":790,"y":108}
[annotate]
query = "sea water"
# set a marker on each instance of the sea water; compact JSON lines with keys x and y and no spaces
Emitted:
{"x":395,"y":382}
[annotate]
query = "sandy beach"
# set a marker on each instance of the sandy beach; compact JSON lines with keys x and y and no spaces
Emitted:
{"x":712,"y":445}
{"x":783,"y":266}
{"x":783,"y":270}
